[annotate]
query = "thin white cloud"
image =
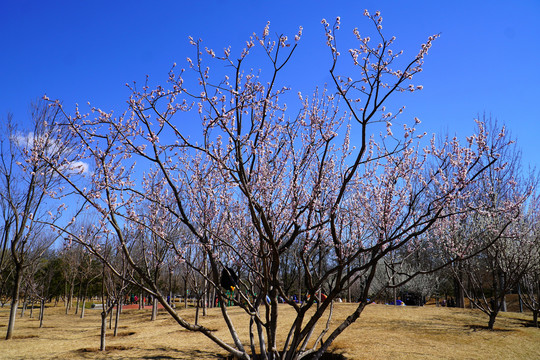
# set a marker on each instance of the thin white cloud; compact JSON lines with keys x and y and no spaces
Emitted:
{"x":78,"y":167}
{"x":26,"y":141}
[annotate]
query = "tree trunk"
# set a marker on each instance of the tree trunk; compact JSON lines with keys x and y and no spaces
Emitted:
{"x":300,"y":277}
{"x":14,"y":302}
{"x":103,"y":329}
{"x":502,"y":284}
{"x":205,"y":286}
{"x":83,"y":306}
{"x":110,"y":304}
{"x":535,"y":318}
{"x":459,"y":294}
{"x":84,"y":300}
{"x":348,"y":284}
{"x":25,"y":302}
{"x":41,"y":312}
{"x":78,"y":299}
{"x":70,"y":299}
{"x":185,"y":292}
{"x":197,"y":312}
{"x":350,"y":319}
{"x":492,"y":318}
{"x":154,"y":308}
{"x":117,"y":317}
{"x":69,"y":294}
{"x":65,"y":294}
{"x":170,"y":287}
{"x":519,"y":298}
{"x":32,"y":308}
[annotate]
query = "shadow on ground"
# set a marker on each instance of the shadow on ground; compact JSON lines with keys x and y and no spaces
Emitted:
{"x":485,"y":328}
{"x":191,"y":354}
{"x":155,"y":353}
{"x":325,"y":356}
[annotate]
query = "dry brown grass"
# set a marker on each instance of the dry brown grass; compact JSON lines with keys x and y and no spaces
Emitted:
{"x":382,"y":332}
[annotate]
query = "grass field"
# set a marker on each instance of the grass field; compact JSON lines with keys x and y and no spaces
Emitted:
{"x":382,"y":332}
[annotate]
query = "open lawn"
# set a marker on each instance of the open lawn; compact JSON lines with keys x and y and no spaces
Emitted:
{"x":382,"y":332}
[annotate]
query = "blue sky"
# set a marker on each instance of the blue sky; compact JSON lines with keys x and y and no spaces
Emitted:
{"x":77,"y":51}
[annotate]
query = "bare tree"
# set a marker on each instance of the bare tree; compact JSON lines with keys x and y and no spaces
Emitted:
{"x":498,"y":226}
{"x":6,"y":269}
{"x":257,"y":183}
{"x":70,"y":260}
{"x":28,"y":184}
{"x":89,"y":271}
{"x":529,"y":286}
{"x":46,"y":281}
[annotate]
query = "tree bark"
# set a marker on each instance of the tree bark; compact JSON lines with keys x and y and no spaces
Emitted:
{"x":492,"y":318}
{"x":117,"y":318}
{"x":103,"y":329}
{"x":205,"y":286}
{"x":78,"y":299}
{"x":520,"y":298}
{"x":71,"y":290}
{"x":350,"y":319}
{"x":154,"y":308}
{"x":69,"y":296}
{"x":197,"y":312}
{"x":25,"y":302}
{"x":84,"y":300}
{"x":111,"y":305}
{"x":502,"y":284}
{"x":459,"y":294}
{"x":185,"y":292}
{"x":41,"y":312}
{"x":14,"y":302}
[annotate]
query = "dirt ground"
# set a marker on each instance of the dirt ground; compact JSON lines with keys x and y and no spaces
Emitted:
{"x":382,"y":332}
